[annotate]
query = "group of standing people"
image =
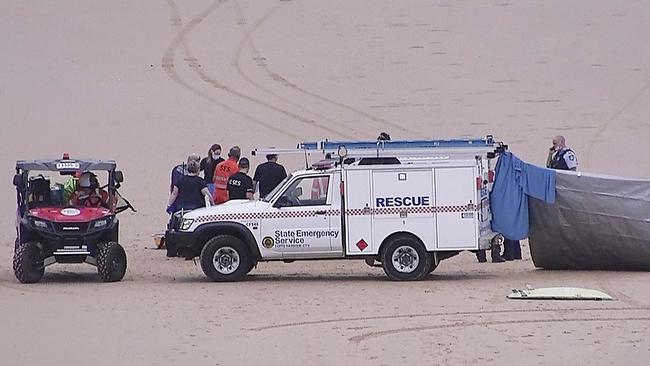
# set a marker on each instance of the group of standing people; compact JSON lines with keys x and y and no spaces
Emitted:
{"x":223,"y":179}
{"x":560,"y":157}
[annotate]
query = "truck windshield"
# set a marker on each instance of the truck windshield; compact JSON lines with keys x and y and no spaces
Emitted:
{"x":277,"y":188}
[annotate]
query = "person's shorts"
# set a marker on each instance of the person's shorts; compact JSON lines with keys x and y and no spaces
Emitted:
{"x":211,"y":188}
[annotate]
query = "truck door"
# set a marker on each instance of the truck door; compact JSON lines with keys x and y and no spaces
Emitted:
{"x":359,"y":205}
{"x":298,"y":224}
{"x":455,"y":205}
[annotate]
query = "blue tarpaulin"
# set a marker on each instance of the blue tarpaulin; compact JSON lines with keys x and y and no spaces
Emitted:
{"x":516,"y":180}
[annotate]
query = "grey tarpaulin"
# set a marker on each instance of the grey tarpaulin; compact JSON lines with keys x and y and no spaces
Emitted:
{"x":597,"y":222}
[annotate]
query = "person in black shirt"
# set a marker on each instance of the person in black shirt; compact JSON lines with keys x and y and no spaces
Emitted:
{"x":189,"y":191}
{"x":209,"y":163}
{"x":240,"y":185}
{"x":269,"y":175}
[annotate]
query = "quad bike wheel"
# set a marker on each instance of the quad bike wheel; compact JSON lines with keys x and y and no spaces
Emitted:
{"x":28,"y":263}
{"x":111,"y":261}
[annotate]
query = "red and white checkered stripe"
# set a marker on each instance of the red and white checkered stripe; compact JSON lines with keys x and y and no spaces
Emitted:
{"x":351,"y":212}
{"x":262,"y":215}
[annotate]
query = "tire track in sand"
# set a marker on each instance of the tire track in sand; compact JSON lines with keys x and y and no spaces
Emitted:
{"x":288,"y":84}
{"x":427,"y":315}
{"x":194,"y":65}
{"x":352,"y":351}
{"x":237,"y":61}
{"x":169,"y":68}
{"x":635,"y":98}
{"x":363,"y":337}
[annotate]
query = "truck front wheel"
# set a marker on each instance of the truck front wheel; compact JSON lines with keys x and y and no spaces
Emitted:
{"x":404,"y":258}
{"x":225,"y":258}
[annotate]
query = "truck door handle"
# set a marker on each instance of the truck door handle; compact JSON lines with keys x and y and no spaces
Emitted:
{"x":322,"y":212}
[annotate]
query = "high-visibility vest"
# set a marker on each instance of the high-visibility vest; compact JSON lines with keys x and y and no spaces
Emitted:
{"x":222,"y":172}
{"x":319,"y":188}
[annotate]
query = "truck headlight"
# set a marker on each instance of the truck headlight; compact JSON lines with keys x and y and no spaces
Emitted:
{"x":186,"y":223}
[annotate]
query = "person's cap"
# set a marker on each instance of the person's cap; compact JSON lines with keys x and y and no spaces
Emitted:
{"x":244,"y":163}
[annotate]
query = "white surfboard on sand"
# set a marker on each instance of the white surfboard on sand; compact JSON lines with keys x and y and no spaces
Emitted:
{"x":559,"y":293}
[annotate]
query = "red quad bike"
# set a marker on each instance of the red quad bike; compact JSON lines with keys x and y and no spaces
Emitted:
{"x":51,"y":230}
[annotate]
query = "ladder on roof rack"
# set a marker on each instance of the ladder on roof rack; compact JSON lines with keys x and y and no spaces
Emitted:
{"x":396,"y":148}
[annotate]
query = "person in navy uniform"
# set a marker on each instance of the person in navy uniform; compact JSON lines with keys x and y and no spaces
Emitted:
{"x":560,"y":157}
{"x":240,"y":185}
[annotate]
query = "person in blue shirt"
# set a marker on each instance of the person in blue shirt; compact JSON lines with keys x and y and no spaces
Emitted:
{"x":178,"y":172}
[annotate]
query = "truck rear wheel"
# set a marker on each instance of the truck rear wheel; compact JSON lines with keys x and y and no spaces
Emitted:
{"x":28,"y":263}
{"x":111,"y":261}
{"x":225,"y":258}
{"x":404,"y":258}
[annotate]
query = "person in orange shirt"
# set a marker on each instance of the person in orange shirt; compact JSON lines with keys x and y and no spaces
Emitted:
{"x":222,"y":172}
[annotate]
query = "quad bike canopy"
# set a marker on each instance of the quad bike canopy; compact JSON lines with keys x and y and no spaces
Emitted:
{"x":26,"y":185}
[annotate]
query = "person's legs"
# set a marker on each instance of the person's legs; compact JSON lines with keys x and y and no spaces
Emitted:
{"x":481,"y":256}
{"x":496,"y":254}
{"x":516,"y":249}
{"x":508,"y":249}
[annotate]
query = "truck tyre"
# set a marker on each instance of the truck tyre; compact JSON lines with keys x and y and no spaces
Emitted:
{"x":111,"y":261}
{"x":225,"y":258}
{"x":28,"y":263}
{"x":404,"y":258}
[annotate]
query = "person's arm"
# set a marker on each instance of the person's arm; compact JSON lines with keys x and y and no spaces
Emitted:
{"x":256,"y":179}
{"x":172,"y":196}
{"x":250,"y":190}
{"x":571,"y":160}
{"x":215,"y":175}
{"x":105,"y":199}
{"x":550,"y":157}
{"x":74,"y":199}
{"x":206,"y":192}
{"x":171,"y":180}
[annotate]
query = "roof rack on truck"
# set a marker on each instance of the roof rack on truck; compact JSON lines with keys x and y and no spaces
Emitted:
{"x":437,"y":148}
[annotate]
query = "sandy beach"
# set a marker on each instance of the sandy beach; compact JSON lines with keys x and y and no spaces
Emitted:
{"x":147,"y":82}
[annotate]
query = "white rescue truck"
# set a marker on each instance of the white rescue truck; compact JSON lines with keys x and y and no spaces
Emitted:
{"x":404,"y":205}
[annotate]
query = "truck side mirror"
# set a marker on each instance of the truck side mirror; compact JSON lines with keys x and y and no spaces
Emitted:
{"x":18,"y":180}
{"x":119,"y":176}
{"x":297,"y":192}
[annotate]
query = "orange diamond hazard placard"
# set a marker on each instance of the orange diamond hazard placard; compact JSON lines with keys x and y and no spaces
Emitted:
{"x":361,"y":244}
